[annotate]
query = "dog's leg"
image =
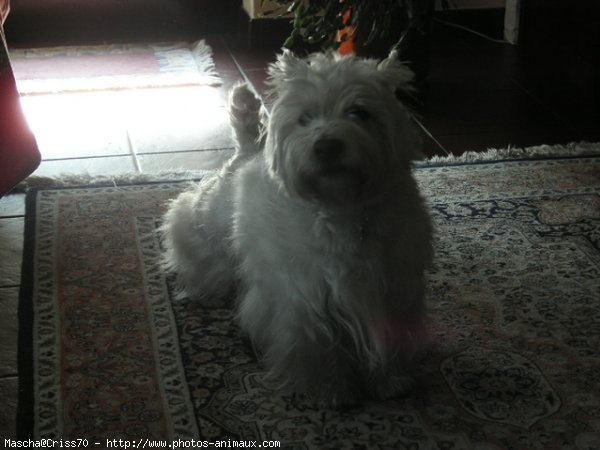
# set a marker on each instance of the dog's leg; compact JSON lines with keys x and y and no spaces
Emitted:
{"x":299,"y":364}
{"x":325,"y":372}
{"x":195,"y":234}
{"x":300,"y":358}
{"x":393,"y":382}
{"x":244,"y":109}
{"x":198,"y":223}
{"x":396,"y":377}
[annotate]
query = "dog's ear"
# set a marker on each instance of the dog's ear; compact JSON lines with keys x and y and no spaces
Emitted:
{"x":286,"y":67}
{"x":395,"y":71}
{"x":398,"y":77}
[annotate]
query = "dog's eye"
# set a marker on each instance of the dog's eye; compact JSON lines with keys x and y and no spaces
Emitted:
{"x":304,"y":119}
{"x":358,"y":113}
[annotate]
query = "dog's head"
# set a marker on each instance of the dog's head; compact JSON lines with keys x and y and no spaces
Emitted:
{"x":337,"y":132}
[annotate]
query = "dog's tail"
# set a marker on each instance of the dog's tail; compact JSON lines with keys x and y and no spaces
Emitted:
{"x":244,"y":116}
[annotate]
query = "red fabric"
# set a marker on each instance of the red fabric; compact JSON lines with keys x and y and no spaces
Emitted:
{"x":19,"y":154}
{"x":4,"y":10}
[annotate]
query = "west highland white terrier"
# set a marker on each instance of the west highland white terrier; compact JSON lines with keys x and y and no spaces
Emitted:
{"x":318,"y":225}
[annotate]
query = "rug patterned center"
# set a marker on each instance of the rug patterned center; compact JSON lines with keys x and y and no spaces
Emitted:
{"x":514,"y":360}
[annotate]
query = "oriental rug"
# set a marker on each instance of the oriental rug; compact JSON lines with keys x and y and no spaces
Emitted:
{"x":106,"y":352}
{"x":116,"y":66}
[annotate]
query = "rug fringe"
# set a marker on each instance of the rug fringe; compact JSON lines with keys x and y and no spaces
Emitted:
{"x":125,"y":179}
{"x":203,"y":55}
{"x":579,"y":149}
{"x":573,"y":149}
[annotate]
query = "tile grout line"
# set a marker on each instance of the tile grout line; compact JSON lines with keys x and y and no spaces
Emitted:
{"x":186,"y":151}
{"x":550,"y":110}
{"x":132,"y":151}
{"x":9,"y":377}
{"x":428,"y":133}
{"x":242,"y":72}
{"x":13,"y":216}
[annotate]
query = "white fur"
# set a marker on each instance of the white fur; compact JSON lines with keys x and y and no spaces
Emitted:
{"x":322,"y":231}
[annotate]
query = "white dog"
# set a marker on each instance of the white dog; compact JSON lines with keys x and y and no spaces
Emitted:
{"x":321,"y":229}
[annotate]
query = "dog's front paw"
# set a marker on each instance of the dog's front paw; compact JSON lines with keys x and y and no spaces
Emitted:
{"x":384,"y":387}
{"x":338,"y":395}
{"x":244,"y":116}
{"x":243,"y":101}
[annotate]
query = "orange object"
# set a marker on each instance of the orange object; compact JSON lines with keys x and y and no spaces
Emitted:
{"x":347,"y":47}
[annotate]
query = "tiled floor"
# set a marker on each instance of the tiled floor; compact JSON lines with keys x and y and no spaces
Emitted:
{"x":480,"y":95}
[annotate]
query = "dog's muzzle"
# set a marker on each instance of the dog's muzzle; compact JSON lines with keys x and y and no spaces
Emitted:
{"x":328,"y":151}
{"x":333,"y":178}
{"x":331,"y":158}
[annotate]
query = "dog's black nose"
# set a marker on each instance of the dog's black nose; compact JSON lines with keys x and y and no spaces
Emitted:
{"x":328,"y":151}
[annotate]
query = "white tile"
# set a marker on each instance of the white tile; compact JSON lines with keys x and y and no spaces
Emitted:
{"x":11,"y":251}
{"x":77,"y":124}
{"x":165,"y":120}
{"x":109,"y":165}
{"x":12,"y":205}
{"x":106,"y":123}
{"x":206,"y":133}
{"x":65,"y":141}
